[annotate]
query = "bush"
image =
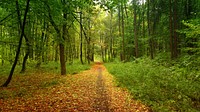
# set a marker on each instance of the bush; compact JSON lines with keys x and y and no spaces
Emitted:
{"x":162,"y":88}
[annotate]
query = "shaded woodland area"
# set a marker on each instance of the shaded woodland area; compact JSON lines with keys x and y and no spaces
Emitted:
{"x":162,"y":33}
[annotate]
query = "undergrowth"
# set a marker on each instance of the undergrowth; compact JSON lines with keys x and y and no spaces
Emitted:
{"x":74,"y":68}
{"x":163,"y":87}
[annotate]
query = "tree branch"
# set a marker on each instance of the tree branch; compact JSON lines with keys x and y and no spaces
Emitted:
{"x":86,"y":37}
{"x":6,"y":18}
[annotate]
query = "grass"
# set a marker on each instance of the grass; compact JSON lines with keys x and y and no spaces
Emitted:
{"x":74,"y":68}
{"x":164,"y":89}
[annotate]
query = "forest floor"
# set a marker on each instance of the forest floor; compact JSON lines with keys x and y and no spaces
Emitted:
{"x":92,"y":90}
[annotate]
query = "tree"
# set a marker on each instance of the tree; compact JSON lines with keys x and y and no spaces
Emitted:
{"x":20,"y":42}
{"x":135,"y":31}
{"x":61,"y":40}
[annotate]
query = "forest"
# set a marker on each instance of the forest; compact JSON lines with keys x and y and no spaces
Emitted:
{"x":145,"y":53}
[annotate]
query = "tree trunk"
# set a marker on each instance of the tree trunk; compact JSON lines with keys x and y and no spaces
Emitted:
{"x":62,"y":48}
{"x":89,"y":44}
{"x":143,"y":25}
{"x":81,"y":41}
{"x":171,"y":30}
{"x":149,"y":30}
{"x":135,"y":33}
{"x":62,"y":59}
{"x":26,"y":39}
{"x":25,"y":58}
{"x":119,"y":25}
{"x":111,"y":37}
{"x":20,"y":43}
{"x":61,"y":42}
{"x":175,"y":28}
{"x":123,"y":41}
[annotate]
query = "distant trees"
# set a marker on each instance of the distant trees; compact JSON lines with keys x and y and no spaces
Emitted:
{"x":67,"y":30}
{"x":155,"y":29}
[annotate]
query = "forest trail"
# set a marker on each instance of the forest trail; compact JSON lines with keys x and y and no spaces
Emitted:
{"x":89,"y":91}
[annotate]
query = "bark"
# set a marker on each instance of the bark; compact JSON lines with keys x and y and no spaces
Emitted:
{"x":123,"y":44}
{"x":25,"y":58}
{"x":149,"y":30}
{"x":20,"y":43}
{"x":62,"y":48}
{"x":81,"y":41}
{"x":119,"y":24}
{"x":175,"y":28}
{"x":89,"y":51}
{"x":135,"y":33}
{"x":143,"y":25}
{"x":89,"y":44}
{"x":111,"y":37}
{"x":93,"y":52}
{"x":62,"y":59}
{"x":171,"y":30}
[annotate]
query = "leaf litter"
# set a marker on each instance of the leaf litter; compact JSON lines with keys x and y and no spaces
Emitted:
{"x":92,"y":90}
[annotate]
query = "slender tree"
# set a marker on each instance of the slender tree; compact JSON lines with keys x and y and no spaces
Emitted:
{"x":61,"y":41}
{"x":135,"y":31}
{"x":20,"y":42}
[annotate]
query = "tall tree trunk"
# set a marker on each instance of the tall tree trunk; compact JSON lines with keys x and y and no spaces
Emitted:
{"x":119,"y":24}
{"x":20,"y":43}
{"x":149,"y":30}
{"x":143,"y":25}
{"x":171,"y":30}
{"x":123,"y":41}
{"x":27,"y":43}
{"x":101,"y":41}
{"x":135,"y":33}
{"x":111,"y":36}
{"x":62,"y":47}
{"x":93,"y":52}
{"x":89,"y":44}
{"x":175,"y":28}
{"x":81,"y":41}
{"x":2,"y":48}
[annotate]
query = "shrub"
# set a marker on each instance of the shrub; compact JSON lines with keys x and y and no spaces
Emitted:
{"x":162,"y":88}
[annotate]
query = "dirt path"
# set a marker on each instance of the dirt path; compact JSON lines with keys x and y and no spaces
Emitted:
{"x":112,"y":98}
{"x":101,"y":100}
{"x":90,"y":91}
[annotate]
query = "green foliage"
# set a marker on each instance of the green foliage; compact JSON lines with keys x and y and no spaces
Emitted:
{"x":54,"y":67}
{"x":77,"y":67}
{"x":162,"y":88}
{"x":192,"y":34}
{"x":50,"y":67}
{"x":5,"y":69}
